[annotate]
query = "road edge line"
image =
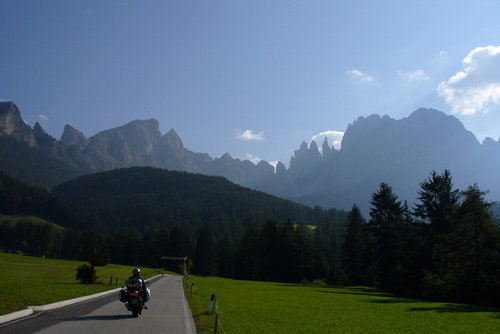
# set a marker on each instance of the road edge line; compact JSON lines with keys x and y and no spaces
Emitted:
{"x":16,"y":315}
{"x":188,"y":317}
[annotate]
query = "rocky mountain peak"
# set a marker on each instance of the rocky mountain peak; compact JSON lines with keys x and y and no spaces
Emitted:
{"x":305,"y":157}
{"x":427,"y":114}
{"x":489,"y":141}
{"x":172,"y":139}
{"x":225,"y":157}
{"x":313,"y":147}
{"x":9,"y":108}
{"x":434,"y":119}
{"x":325,"y":146}
{"x":327,"y":150}
{"x":10,"y":118}
{"x":151,"y":125}
{"x":72,"y":136}
{"x":11,"y":124}
{"x":280,"y":168}
{"x":38,"y":131}
{"x":137,"y":132}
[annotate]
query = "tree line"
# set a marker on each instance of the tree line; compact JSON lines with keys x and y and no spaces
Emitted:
{"x":446,"y":247}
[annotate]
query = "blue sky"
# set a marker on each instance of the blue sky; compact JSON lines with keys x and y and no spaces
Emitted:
{"x":252,"y":78}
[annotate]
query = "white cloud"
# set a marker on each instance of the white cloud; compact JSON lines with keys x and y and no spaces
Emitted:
{"x":417,"y":75}
{"x":43,"y":117}
{"x":251,"y":135}
{"x":253,"y":159}
{"x":443,"y":53}
{"x":359,"y":76}
{"x":477,"y":86}
{"x":333,"y":138}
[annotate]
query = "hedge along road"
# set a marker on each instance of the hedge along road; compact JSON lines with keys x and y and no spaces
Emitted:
{"x":167,"y":312}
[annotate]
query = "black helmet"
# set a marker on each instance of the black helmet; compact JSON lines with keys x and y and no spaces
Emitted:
{"x":136,"y":272}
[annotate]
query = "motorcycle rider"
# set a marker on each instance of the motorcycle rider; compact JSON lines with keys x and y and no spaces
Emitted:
{"x":136,"y":275}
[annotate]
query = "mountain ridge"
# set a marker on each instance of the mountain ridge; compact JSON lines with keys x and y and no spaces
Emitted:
{"x":374,"y":149}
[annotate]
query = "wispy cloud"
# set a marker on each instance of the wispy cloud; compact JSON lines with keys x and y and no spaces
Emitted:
{"x":477,"y":86}
{"x":43,"y":117}
{"x":443,"y":53}
{"x":359,"y":76}
{"x":333,"y":138}
{"x":417,"y":75}
{"x":251,"y":135}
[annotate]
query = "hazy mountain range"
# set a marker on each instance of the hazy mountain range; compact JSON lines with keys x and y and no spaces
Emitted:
{"x":374,"y":149}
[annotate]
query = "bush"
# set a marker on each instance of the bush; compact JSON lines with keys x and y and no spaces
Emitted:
{"x":86,"y":274}
{"x":320,"y":282}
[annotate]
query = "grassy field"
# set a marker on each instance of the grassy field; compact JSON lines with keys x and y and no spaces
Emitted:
{"x":260,"y":307}
{"x":26,"y":280}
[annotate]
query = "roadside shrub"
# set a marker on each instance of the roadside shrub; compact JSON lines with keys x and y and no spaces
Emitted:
{"x":305,"y":281}
{"x":320,"y":282}
{"x":86,"y":274}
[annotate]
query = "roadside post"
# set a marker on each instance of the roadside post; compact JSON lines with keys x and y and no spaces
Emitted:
{"x":216,"y":323}
{"x":211,"y":306}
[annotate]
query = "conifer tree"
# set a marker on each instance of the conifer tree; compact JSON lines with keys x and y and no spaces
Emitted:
{"x":387,"y":225}
{"x":438,"y":199}
{"x":356,"y":248}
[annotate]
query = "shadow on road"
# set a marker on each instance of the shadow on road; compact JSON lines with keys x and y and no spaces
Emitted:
{"x":100,"y":317}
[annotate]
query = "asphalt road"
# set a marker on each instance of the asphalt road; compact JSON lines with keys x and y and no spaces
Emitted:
{"x":167,"y":313}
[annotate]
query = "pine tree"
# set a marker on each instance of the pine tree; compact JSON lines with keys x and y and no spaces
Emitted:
{"x":438,"y":199}
{"x":356,"y":253}
{"x":387,"y":225}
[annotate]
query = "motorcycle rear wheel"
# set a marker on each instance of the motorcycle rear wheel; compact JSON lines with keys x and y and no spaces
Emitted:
{"x":135,"y":311}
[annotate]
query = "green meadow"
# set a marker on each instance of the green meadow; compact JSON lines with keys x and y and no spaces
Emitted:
{"x":16,"y":219}
{"x":254,"y":307}
{"x":26,"y":280}
{"x":261,"y":307}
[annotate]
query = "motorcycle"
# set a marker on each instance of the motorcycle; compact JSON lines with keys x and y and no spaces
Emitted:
{"x":135,"y":303}
{"x":132,"y":296}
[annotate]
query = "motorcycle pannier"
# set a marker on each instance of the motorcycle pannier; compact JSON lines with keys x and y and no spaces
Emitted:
{"x":123,"y":296}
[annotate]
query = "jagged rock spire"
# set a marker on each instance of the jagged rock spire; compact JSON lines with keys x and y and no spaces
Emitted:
{"x":72,"y":136}
{"x":11,"y":124}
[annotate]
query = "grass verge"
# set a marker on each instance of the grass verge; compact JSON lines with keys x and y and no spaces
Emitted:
{"x":26,"y":280}
{"x":261,"y":307}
